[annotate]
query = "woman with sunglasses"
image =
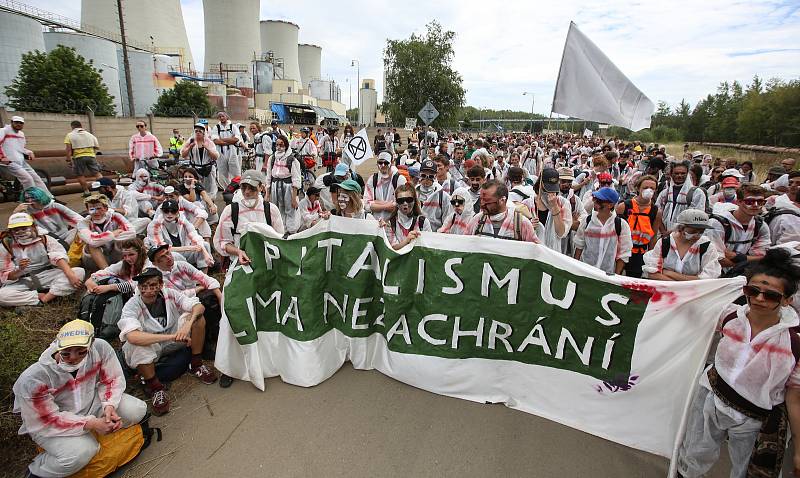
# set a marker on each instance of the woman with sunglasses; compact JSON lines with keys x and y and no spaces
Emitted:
{"x":407,"y":221}
{"x":143,"y":147}
{"x":754,"y":380}
{"x":458,"y":220}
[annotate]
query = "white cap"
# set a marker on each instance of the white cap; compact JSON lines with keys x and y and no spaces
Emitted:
{"x":95,"y":185}
{"x":17,"y":119}
{"x":697,"y":154}
{"x":385,"y":155}
{"x":733,"y":172}
{"x":169,"y":190}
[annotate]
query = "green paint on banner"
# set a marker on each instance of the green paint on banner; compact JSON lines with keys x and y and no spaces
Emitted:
{"x":434,"y":302}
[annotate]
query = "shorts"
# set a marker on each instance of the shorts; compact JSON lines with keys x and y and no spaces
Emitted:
{"x":85,"y":164}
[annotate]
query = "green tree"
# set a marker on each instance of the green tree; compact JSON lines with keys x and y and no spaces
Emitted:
{"x":186,"y":99}
{"x":418,"y":69}
{"x":352,"y":115}
{"x":60,"y":81}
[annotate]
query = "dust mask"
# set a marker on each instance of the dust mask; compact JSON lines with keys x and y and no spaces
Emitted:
{"x":729,"y":193}
{"x":691,"y":237}
{"x":648,"y":193}
{"x":65,"y":367}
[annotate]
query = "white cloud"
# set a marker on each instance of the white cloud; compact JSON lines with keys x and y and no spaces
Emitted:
{"x":671,"y":50}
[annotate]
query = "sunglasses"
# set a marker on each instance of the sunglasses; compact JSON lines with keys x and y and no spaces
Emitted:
{"x":751,"y":292}
{"x":456,"y":202}
{"x":383,"y":163}
{"x":754,"y":201}
{"x":170,"y":211}
{"x":405,"y":200}
{"x":427,"y":176}
{"x":139,"y":126}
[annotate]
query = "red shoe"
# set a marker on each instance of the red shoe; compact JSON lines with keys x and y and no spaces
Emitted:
{"x":160,"y":402}
{"x":205,"y":374}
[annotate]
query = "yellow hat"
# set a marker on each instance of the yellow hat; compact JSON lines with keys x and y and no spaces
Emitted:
{"x":638,"y":149}
{"x":76,"y":333}
{"x":20,"y":219}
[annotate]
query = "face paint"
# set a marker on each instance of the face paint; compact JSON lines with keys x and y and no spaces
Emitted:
{"x":342,"y":200}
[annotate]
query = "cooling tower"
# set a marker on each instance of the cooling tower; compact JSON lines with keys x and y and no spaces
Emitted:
{"x":160,"y":19}
{"x":281,"y":37}
{"x":18,"y":35}
{"x":310,"y":59}
{"x":102,"y":53}
{"x":232,"y":35}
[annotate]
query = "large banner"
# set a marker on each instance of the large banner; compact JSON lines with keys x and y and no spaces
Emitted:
{"x":482,"y":319}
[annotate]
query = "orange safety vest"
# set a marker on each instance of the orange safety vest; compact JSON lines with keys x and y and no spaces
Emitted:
{"x":641,"y":223}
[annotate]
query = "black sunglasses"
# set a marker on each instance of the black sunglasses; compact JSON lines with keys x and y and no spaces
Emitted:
{"x":427,"y":176}
{"x":456,"y":202}
{"x":170,"y":211}
{"x":383,"y":163}
{"x":752,"y":291}
{"x":405,"y":200}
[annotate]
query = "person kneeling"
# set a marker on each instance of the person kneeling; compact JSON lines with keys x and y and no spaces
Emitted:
{"x":76,"y":387}
{"x":156,"y":322}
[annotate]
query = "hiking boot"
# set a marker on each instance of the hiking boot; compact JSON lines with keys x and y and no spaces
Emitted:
{"x":160,"y":402}
{"x":205,"y":374}
{"x":225,"y":381}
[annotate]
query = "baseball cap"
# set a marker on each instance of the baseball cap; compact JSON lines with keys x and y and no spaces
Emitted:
{"x":566,"y":173}
{"x":17,"y":119}
{"x":147,"y":273}
{"x":607,"y":195}
{"x":252,"y":177}
{"x":200,"y":126}
{"x":694,"y":218}
{"x":20,"y":219}
{"x":106,"y":182}
{"x":350,"y":185}
{"x":735,"y":173}
{"x":151,"y":253}
{"x":697,"y":154}
{"x":312,"y":191}
{"x":605,"y":177}
{"x":75,"y":333}
{"x":730,"y":182}
{"x":169,"y":190}
{"x":427,"y":165}
{"x":550,"y":181}
{"x":169,"y":205}
{"x":385,"y":156}
{"x":637,"y":148}
{"x":341,"y":170}
{"x":777,"y":170}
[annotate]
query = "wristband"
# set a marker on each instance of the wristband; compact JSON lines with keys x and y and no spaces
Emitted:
{"x":739,"y":258}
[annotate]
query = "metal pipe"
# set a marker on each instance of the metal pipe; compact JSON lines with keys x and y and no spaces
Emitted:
{"x":126,"y":64}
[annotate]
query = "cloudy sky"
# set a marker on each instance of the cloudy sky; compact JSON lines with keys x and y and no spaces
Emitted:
{"x":670,"y":50}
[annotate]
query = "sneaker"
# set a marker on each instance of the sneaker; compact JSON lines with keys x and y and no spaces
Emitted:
{"x":160,"y":403}
{"x":205,"y":374}
{"x":225,"y":381}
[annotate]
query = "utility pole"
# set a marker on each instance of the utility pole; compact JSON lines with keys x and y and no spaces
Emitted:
{"x":126,"y":64}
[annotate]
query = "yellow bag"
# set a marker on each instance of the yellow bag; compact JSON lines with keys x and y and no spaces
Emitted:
{"x":117,"y":449}
{"x":75,"y":252}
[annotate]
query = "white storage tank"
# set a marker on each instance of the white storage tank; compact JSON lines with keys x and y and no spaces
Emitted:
{"x":310,"y":60}
{"x":18,"y":35}
{"x":149,"y":78}
{"x":160,"y":19}
{"x":325,"y":90}
{"x":281,"y":37}
{"x":102,"y":53}
{"x":231,"y":32}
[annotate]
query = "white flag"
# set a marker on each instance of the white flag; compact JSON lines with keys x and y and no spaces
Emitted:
{"x":591,"y":87}
{"x":358,"y":149}
{"x":587,"y":133}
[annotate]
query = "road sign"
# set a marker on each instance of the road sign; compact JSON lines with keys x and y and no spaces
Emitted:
{"x":428,"y":113}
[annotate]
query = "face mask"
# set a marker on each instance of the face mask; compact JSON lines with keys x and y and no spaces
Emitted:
{"x":691,"y":237}
{"x":729,"y":193}
{"x":280,"y":149}
{"x":250,"y":203}
{"x":171,"y":218}
{"x":25,"y":238}
{"x":65,"y":367}
{"x":141,"y":181}
{"x":97,"y":221}
{"x":647,"y":194}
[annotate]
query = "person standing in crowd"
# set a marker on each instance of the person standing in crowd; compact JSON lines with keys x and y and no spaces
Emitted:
{"x":566,"y":177}
{"x":552,"y":210}
{"x":748,"y":175}
{"x":379,"y":144}
{"x":55,"y":218}
{"x":170,"y":227}
{"x":330,"y":148}
{"x":98,"y":231}
{"x":14,"y":156}
{"x":30,"y":261}
{"x":741,"y":235}
{"x":283,"y":181}
{"x":349,"y":202}
{"x":202,"y":154}
{"x":176,"y":143}
{"x":603,"y":240}
{"x":143,"y":147}
{"x":744,"y":396}
{"x":684,"y":254}
{"x":259,"y":137}
{"x":272,"y":135}
{"x":456,"y":168}
{"x":125,"y":202}
{"x":777,"y":180}
{"x":643,"y":218}
{"x":407,"y":220}
{"x":76,"y":389}
{"x":155,"y":322}
{"x":443,"y":176}
{"x":304,"y":148}
{"x":679,"y":194}
{"x":434,"y":201}
{"x":784,"y":216}
{"x":379,"y":198}
{"x":81,"y":148}
{"x":226,"y":136}
{"x":496,"y":219}
{"x":458,"y":220}
{"x":477,"y":176}
{"x":728,"y":193}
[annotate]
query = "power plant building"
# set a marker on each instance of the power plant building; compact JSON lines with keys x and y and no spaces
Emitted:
{"x":18,"y":35}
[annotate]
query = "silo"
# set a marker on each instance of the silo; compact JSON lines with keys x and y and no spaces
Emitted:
{"x":18,"y":35}
{"x":148,"y":78}
{"x":160,"y":19}
{"x":102,"y":53}
{"x":281,"y":37}
{"x":310,"y":59}
{"x":231,"y":32}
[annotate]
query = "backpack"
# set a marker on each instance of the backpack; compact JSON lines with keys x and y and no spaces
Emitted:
{"x":652,"y":214}
{"x":395,"y":179}
{"x":219,"y":133}
{"x":665,"y":247}
{"x":726,"y":226}
{"x":103,"y":311}
{"x":775,"y":212}
{"x":617,"y":223}
{"x":235,"y":215}
{"x":517,"y":226}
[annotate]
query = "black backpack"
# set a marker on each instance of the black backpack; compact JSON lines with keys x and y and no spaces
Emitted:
{"x":103,"y":311}
{"x":776,"y":211}
{"x":235,"y":215}
{"x":726,"y":226}
{"x":665,"y":246}
{"x":617,"y":224}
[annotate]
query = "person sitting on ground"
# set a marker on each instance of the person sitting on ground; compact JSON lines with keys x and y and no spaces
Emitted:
{"x":190,"y":211}
{"x":458,"y":220}
{"x":98,"y":231}
{"x":125,"y":202}
{"x":498,"y":219}
{"x":33,"y":266}
{"x":151,"y":193}
{"x":603,"y":239}
{"x":783,"y":217}
{"x":75,"y":389}
{"x":156,"y":322}
{"x":407,"y":220}
{"x":118,"y":277}
{"x":57,"y":219}
{"x":743,"y":398}
{"x":170,"y":227}
{"x":310,"y":209}
{"x":684,"y":254}
{"x":193,"y":191}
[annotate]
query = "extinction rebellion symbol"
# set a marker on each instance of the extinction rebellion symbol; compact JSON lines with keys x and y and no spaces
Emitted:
{"x":358,"y":148}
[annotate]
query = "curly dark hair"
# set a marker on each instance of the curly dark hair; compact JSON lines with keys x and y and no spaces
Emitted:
{"x":777,"y":263}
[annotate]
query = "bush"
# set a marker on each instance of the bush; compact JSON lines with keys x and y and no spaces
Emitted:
{"x":186,"y":99}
